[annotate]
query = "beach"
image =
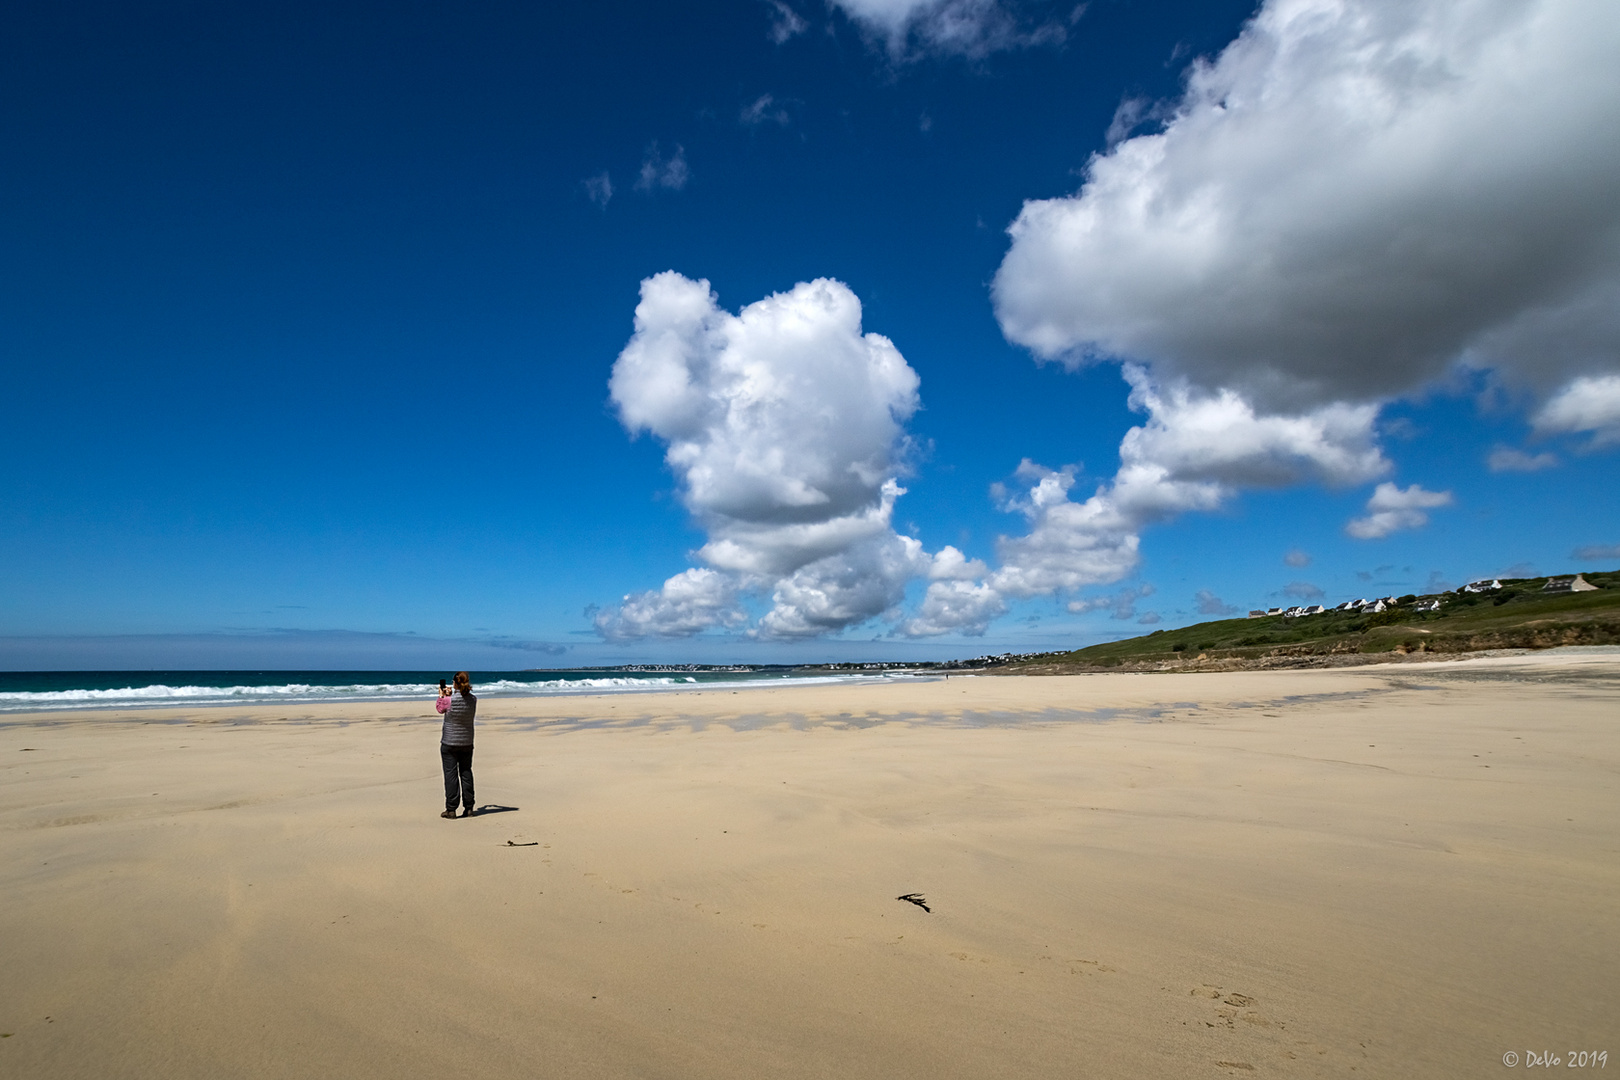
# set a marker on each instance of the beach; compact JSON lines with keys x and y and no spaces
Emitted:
{"x":1398,"y":871}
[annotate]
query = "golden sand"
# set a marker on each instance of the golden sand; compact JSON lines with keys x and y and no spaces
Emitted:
{"x":1380,"y":872}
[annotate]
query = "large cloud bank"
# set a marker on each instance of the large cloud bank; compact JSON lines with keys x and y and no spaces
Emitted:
{"x":1354,"y":198}
{"x":1356,"y":195}
{"x":785,"y":428}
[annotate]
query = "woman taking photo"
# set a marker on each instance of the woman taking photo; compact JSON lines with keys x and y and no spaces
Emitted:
{"x":456,"y":748}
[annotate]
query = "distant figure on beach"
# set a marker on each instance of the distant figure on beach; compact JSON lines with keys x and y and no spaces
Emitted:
{"x":456,"y":748}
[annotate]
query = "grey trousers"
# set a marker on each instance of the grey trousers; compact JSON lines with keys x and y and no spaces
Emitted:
{"x":458,"y":781}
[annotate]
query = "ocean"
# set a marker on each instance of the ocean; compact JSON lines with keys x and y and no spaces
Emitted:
{"x":28,"y":691}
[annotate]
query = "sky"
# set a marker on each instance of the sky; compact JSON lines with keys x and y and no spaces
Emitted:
{"x":520,"y":335}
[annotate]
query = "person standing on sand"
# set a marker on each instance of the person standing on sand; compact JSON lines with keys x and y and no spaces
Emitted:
{"x":456,"y":748}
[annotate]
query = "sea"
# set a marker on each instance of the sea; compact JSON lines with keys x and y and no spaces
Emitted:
{"x":30,"y":691}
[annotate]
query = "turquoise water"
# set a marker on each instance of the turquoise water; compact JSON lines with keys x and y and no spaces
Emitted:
{"x":24,"y":691}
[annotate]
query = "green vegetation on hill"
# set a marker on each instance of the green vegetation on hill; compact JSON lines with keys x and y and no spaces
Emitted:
{"x":1520,"y":615}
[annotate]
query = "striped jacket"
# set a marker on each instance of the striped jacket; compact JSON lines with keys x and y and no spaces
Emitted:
{"x":458,"y":719}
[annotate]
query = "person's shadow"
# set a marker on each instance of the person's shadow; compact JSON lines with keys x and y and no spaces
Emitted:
{"x":493,"y":808}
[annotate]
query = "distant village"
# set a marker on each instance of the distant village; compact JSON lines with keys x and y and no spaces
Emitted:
{"x":1433,"y":602}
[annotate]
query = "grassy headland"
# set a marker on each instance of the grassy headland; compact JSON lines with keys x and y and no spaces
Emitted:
{"x":1519,"y":615}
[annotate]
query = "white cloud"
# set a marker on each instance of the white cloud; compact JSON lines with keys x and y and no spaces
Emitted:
{"x":1069,"y":544}
{"x":764,"y":110}
{"x":954,"y":601}
{"x":963,"y":607}
{"x":1220,"y":437}
{"x":658,"y":171}
{"x":1192,"y":453}
{"x":785,"y":22}
{"x":1589,"y":403}
{"x":689,"y":603}
{"x":599,"y":188}
{"x":785,"y":428}
{"x":1354,"y":196}
{"x":1507,"y":459}
{"x":972,"y":28}
{"x":1391,"y":509}
{"x":863,"y":581}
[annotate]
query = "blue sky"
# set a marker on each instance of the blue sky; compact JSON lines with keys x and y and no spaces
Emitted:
{"x":309,"y":315}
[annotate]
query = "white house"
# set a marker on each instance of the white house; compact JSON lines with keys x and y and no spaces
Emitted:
{"x":1569,"y":584}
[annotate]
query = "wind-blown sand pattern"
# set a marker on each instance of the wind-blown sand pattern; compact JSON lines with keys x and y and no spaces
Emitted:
{"x":1400,"y":872}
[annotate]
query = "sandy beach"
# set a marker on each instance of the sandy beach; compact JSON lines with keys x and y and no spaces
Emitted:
{"x":1404,"y":871}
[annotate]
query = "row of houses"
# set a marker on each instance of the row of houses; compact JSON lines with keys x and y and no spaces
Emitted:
{"x":1365,"y":606}
{"x":1572,"y":583}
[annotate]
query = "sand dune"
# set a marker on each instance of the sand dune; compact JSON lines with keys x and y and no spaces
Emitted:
{"x":1400,"y":872}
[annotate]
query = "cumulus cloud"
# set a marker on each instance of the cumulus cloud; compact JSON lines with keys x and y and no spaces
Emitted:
{"x":1302,"y":590}
{"x":785,"y":428}
{"x":1588,"y":404}
{"x":964,"y":607}
{"x":1507,"y":459}
{"x":1392,"y":508}
{"x":1353,"y":197}
{"x":689,"y":603}
{"x":1192,"y":453}
{"x":1210,"y":604}
{"x":971,"y":28}
{"x":1069,"y":544}
{"x":1220,"y":437}
{"x":658,"y":171}
{"x":1297,"y":557}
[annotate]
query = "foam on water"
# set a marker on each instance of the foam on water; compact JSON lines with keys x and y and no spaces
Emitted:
{"x":158,"y":694}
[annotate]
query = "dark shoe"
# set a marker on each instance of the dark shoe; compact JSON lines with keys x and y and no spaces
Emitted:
{"x":448,"y":813}
{"x":466,"y":813}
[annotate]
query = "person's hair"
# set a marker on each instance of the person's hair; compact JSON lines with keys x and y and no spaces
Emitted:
{"x":462,"y":682}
